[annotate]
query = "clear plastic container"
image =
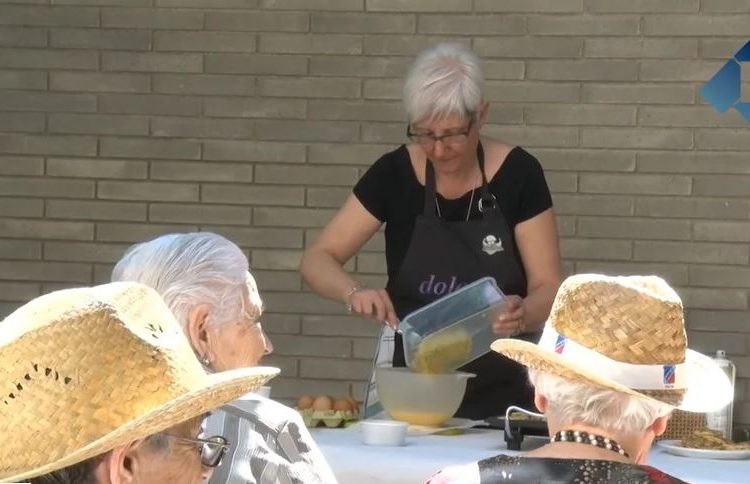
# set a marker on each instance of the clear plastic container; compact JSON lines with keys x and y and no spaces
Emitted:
{"x":454,"y":330}
{"x":721,"y":419}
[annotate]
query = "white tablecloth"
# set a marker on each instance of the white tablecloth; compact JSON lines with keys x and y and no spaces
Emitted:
{"x":355,"y":463}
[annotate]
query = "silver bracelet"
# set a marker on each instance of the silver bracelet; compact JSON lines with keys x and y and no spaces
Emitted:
{"x":350,"y":293}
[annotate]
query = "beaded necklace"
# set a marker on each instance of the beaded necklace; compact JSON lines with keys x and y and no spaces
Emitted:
{"x":583,"y":437}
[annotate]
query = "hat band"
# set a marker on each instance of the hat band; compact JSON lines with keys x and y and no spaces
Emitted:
{"x":635,"y":376}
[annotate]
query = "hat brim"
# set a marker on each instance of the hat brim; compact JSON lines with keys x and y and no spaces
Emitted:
{"x":708,"y":387}
{"x":220,"y":388}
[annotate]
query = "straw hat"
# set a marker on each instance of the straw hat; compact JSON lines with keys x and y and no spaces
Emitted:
{"x":83,"y":371}
{"x":625,"y":334}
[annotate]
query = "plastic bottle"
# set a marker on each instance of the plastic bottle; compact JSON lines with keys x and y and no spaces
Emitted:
{"x":721,"y":420}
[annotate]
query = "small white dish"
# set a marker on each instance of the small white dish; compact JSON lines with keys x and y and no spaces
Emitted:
{"x":674,"y":447}
{"x":383,"y":432}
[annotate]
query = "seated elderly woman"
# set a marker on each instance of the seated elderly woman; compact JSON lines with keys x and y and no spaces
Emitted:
{"x":204,"y":279}
{"x":610,"y":367}
{"x":100,"y":386}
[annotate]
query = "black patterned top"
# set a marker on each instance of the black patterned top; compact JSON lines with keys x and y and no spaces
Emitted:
{"x":505,"y":468}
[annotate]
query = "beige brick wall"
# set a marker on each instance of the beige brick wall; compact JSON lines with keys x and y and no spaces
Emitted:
{"x":124,"y":119}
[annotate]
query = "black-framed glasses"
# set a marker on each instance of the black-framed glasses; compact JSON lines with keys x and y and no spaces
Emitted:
{"x":428,"y":139}
{"x":211,"y":449}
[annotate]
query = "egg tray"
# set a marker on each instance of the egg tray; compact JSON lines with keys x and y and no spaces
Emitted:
{"x":327,"y":418}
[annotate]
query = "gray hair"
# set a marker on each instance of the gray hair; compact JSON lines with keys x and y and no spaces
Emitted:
{"x":188,"y":270}
{"x":160,"y":442}
{"x":444,"y":80}
{"x":80,"y":473}
{"x":572,"y":402}
{"x":85,"y":472}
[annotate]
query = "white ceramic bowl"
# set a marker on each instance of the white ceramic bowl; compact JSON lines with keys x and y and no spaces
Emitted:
{"x":383,"y":432}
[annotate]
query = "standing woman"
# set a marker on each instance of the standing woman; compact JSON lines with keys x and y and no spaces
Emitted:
{"x":457,"y":206}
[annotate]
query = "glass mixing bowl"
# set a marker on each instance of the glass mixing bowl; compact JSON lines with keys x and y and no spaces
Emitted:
{"x":420,"y":399}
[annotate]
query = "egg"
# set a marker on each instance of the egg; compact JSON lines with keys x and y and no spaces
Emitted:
{"x":342,"y":405}
{"x":322,"y":403}
{"x":304,"y":402}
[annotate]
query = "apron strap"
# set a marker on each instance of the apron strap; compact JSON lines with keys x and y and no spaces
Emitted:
{"x":487,"y":201}
{"x":430,"y":194}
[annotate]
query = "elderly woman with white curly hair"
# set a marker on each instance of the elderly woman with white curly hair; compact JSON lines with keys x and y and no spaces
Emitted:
{"x":457,"y":206}
{"x":611,"y":365}
{"x":205,"y":281}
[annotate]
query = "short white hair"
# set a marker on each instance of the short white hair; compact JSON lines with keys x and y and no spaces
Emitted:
{"x":444,"y":80}
{"x":573,"y":402}
{"x":188,"y":270}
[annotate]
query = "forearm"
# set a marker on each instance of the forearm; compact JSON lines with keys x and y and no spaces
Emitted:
{"x":537,"y":305}
{"x":325,"y":275}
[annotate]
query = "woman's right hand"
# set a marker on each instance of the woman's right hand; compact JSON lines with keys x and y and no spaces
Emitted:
{"x":374,"y":303}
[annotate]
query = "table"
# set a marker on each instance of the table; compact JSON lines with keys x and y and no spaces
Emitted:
{"x":356,"y":463}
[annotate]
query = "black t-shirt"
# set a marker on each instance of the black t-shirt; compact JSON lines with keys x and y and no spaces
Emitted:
{"x":390,"y":191}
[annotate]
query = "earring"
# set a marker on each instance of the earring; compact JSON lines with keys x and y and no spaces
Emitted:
{"x":206,"y":361}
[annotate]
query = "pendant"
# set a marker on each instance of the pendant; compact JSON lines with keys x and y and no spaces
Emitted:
{"x":492,"y":245}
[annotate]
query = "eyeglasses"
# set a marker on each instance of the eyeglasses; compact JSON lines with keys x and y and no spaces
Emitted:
{"x":211,"y":449}
{"x":428,"y":139}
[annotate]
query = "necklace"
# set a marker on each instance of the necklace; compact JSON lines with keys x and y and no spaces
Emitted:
{"x":468,"y":210}
{"x":582,"y":437}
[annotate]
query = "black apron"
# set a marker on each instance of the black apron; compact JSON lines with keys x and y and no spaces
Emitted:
{"x":443,"y":256}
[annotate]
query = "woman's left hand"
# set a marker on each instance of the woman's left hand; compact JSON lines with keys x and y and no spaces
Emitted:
{"x":510,"y":321}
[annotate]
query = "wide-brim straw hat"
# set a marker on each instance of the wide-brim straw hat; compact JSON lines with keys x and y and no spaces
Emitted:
{"x":625,"y":334}
{"x":83,"y":371}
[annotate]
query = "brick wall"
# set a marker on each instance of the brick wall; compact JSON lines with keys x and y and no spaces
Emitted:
{"x":124,"y":119}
